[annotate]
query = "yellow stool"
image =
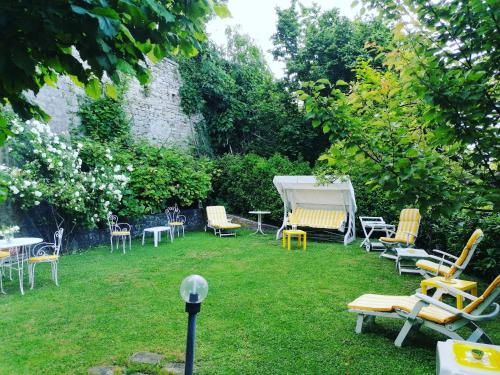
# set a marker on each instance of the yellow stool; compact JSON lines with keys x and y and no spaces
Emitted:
{"x":301,"y":238}
{"x":462,"y":285}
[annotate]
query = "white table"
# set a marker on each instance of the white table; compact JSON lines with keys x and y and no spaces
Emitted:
{"x":259,"y":220}
{"x":157,"y":233}
{"x":372,"y":224}
{"x":455,"y":357}
{"x":409,"y":254}
{"x":16,"y":261}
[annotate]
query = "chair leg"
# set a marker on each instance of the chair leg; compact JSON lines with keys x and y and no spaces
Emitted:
{"x":54,"y":268}
{"x":31,"y":270}
{"x":123,"y":243}
{"x":130,"y":242}
{"x":359,"y":323}
{"x":111,"y":239}
{"x":403,"y":333}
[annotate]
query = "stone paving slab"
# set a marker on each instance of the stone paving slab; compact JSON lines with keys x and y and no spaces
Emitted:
{"x":105,"y":370}
{"x":174,"y":368}
{"x":146,"y":357}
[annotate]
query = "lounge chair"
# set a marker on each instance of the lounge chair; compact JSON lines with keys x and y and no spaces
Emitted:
{"x":218,"y":221}
{"x":443,"y":266}
{"x":405,"y":235}
{"x":420,"y":309}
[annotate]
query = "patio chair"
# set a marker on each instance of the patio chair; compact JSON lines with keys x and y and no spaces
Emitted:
{"x":4,"y":255}
{"x":405,"y":235}
{"x":46,"y":252}
{"x":419,"y":309}
{"x":119,"y":230}
{"x":218,"y":221}
{"x":175,"y":219}
{"x":448,"y":265}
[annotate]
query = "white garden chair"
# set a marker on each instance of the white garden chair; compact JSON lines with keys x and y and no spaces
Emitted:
{"x":46,"y":252}
{"x":121,"y":231}
{"x":175,"y":219}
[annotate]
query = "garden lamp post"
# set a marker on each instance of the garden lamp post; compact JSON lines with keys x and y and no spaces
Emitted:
{"x":194,"y":290}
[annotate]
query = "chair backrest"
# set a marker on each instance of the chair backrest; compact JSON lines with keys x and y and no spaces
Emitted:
{"x":174,"y":215}
{"x":409,"y":222}
{"x":466,"y":255}
{"x":216,"y":214}
{"x":58,"y":235}
{"x":112,"y":222}
{"x":484,"y":300}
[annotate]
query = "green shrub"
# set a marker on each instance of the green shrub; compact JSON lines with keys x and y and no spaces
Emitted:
{"x":104,"y":119}
{"x":158,"y":176}
{"x":245,"y":182}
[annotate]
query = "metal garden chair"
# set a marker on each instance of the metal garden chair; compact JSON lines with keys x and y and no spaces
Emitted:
{"x":46,"y":252}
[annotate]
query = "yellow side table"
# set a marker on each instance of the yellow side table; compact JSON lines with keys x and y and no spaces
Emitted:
{"x":463,"y":285}
{"x":301,"y":238}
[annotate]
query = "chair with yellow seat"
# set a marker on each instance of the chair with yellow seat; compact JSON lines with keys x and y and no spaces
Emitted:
{"x":447,"y":265}
{"x":4,"y":256}
{"x":405,"y":235}
{"x":46,"y":252}
{"x":175,"y":220}
{"x":218,"y":221}
{"x":120,"y":231}
{"x":421,"y":310}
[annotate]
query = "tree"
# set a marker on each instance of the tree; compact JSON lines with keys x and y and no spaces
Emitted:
{"x":455,"y":60}
{"x":244,"y":108}
{"x":86,"y":39}
{"x":318,"y":44}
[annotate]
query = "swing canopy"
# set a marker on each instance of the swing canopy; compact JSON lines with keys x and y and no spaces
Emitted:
{"x":306,"y":195}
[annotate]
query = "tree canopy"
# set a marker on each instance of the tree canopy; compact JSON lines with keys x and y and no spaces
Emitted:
{"x":86,"y":39}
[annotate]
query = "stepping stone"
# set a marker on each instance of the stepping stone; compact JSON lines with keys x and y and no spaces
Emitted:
{"x":146,"y":357}
{"x":105,"y":370}
{"x":174,"y":368}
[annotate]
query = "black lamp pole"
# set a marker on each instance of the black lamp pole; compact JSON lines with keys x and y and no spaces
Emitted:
{"x":192,"y":308}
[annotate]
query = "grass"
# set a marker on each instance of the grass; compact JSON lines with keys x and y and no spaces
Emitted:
{"x":268,"y":311}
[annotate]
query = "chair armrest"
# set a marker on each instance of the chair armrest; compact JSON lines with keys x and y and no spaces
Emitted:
{"x":450,"y":288}
{"x":440,"y":260}
{"x":438,"y":303}
{"x":444,"y":254}
{"x":181,"y":218}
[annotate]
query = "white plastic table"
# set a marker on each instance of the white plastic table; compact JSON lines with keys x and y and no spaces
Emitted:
{"x":259,"y":220}
{"x":411,"y":255}
{"x":16,"y":261}
{"x":456,"y":357}
{"x":157,"y":234}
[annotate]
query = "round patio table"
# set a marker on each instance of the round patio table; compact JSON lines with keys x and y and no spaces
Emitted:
{"x":16,"y":261}
{"x":259,"y":220}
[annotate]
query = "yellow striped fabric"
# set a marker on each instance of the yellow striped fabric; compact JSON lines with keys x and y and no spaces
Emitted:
{"x":473,"y":240}
{"x":217,"y":218}
{"x":43,"y":258}
{"x":490,"y":289}
{"x":4,"y":254}
{"x":327,"y":219}
{"x":381,"y":303}
{"x":409,"y":221}
{"x":433,"y":267}
{"x":121,"y":233}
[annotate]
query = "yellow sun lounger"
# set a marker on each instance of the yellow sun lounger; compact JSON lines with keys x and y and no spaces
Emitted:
{"x":420,"y":309}
{"x":443,"y":266}
{"x":218,"y":221}
{"x":405,"y":235}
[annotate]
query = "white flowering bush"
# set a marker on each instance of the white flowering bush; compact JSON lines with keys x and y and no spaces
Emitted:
{"x":49,"y":169}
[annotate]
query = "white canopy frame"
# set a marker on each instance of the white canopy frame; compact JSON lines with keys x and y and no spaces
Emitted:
{"x":307,"y":192}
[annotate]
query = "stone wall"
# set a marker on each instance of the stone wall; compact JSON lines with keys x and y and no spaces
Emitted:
{"x":154,"y":111}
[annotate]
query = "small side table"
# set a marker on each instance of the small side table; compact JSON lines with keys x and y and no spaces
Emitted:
{"x":462,"y":285}
{"x":157,"y":234}
{"x":259,"y":220}
{"x":406,"y":259}
{"x":301,"y":238}
{"x":457,"y":357}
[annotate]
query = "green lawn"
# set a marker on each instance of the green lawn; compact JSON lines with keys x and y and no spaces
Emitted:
{"x":268,"y":311}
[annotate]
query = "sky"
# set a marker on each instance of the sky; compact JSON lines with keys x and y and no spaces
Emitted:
{"x":257,"y":18}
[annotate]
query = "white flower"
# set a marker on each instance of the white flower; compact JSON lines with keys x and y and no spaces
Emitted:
{"x":106,"y":204}
{"x":37,"y":203}
{"x":26,"y":183}
{"x":77,"y":193}
{"x":116,"y":168}
{"x":130,"y":168}
{"x":60,"y":164}
{"x":14,"y":189}
{"x":37,"y":194}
